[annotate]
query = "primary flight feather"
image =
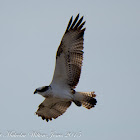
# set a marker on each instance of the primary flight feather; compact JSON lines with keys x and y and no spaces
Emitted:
{"x":60,"y":93}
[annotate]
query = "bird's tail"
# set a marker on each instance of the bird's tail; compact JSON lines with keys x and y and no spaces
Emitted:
{"x":86,"y":99}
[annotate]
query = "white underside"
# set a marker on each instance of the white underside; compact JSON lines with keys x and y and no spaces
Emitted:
{"x":61,"y":91}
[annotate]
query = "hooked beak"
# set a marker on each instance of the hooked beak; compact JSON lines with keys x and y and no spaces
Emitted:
{"x":35,"y":91}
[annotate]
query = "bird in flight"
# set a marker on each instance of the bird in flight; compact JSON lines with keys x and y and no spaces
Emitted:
{"x":61,"y":92}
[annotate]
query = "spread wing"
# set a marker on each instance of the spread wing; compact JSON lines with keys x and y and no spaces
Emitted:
{"x":52,"y":108}
{"x":69,"y":55}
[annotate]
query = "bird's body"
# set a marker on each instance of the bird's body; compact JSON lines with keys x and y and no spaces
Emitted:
{"x":61,"y":92}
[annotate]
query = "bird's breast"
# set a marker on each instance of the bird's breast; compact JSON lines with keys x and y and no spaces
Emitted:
{"x":61,"y":92}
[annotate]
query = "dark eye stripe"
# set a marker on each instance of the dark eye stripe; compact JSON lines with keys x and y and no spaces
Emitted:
{"x":44,"y":89}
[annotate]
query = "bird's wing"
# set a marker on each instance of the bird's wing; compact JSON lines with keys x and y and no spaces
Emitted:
{"x":51,"y":108}
{"x":69,"y":55}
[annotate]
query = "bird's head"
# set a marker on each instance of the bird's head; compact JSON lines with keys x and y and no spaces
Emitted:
{"x":42,"y":90}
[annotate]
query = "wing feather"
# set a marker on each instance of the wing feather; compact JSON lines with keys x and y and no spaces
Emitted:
{"x":69,"y":24}
{"x":78,"y":23}
{"x":74,"y":22}
{"x":51,"y":108}
{"x":69,"y":55}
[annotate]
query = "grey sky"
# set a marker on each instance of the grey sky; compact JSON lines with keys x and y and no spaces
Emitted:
{"x":30,"y":33}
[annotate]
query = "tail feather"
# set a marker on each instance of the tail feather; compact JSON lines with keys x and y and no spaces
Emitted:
{"x":87,"y":99}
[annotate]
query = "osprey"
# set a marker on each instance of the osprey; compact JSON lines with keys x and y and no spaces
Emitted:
{"x":61,"y":92}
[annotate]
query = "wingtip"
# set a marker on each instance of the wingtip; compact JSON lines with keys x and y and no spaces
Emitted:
{"x":78,"y":15}
{"x":71,"y":18}
{"x":69,"y":24}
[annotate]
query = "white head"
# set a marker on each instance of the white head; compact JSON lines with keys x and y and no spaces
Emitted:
{"x":42,"y":90}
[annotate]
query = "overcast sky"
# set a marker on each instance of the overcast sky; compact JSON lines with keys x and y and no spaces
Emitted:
{"x":30,"y":33}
